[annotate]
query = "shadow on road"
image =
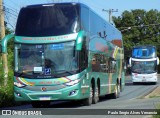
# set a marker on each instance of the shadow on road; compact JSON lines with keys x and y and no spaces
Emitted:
{"x":139,"y":83}
{"x":77,"y":104}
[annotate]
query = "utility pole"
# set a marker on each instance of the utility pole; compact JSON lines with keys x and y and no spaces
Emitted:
{"x":2,"y":35}
{"x":110,"y":11}
{"x":2,"y":20}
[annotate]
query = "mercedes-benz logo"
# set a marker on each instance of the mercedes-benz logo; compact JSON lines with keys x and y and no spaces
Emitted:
{"x":43,"y":88}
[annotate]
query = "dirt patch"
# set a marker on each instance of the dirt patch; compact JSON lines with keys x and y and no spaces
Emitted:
{"x":154,"y":93}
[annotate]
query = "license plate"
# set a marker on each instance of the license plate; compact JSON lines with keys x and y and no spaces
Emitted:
{"x":45,"y":98}
{"x":143,"y":80}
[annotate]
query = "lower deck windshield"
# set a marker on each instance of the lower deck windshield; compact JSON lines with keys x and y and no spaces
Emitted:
{"x":144,"y":67}
{"x":45,"y":60}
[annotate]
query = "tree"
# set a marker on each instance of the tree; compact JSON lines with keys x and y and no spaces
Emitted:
{"x":139,"y":27}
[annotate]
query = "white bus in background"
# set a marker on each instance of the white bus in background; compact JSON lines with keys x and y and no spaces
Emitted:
{"x":144,"y":64}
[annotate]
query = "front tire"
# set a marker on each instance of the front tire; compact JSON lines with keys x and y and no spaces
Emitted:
{"x":96,"y":96}
{"x":88,"y":101}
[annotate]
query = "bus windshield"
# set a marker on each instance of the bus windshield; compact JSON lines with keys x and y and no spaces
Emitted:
{"x":144,"y":67}
{"x":48,"y":20}
{"x":45,"y":59}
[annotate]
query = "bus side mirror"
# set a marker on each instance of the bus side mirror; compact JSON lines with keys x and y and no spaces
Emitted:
{"x":157,"y":61}
{"x":130,"y":59}
{"x":125,"y":66}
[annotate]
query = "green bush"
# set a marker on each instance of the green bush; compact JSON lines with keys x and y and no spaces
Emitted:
{"x":6,"y":92}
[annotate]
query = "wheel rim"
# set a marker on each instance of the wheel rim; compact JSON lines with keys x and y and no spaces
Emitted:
{"x":118,"y":87}
{"x":97,"y":94}
{"x":117,"y":90}
{"x":91,"y":93}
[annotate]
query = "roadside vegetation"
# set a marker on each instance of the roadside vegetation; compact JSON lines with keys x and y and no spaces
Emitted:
{"x":158,"y":111}
{"x":6,"y":92}
{"x":154,"y":93}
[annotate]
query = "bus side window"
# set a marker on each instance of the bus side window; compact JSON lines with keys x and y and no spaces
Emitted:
{"x":105,"y":35}
{"x":83,"y":56}
{"x":111,"y":65}
{"x":95,"y":63}
{"x":85,"y":18}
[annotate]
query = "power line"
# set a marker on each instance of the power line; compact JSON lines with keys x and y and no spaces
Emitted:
{"x":8,"y":22}
{"x":8,"y":6}
{"x":14,"y":15}
{"x":138,"y":26}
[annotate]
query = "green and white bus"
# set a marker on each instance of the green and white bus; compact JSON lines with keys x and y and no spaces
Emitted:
{"x":65,"y":51}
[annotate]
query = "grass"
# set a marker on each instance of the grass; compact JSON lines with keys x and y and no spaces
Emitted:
{"x":154,"y":93}
{"x":158,"y":111}
{"x":6,"y":92}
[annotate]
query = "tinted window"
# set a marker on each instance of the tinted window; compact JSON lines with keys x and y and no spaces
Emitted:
{"x":85,"y":18}
{"x":46,"y":59}
{"x":148,"y":52}
{"x":49,"y":20}
{"x":145,"y":67}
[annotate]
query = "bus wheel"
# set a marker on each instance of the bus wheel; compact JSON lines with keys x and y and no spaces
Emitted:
{"x":116,"y":93}
{"x":88,"y":101}
{"x":96,"y":96}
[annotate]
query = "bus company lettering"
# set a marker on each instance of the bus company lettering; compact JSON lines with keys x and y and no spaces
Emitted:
{"x":45,"y":38}
{"x":50,"y":82}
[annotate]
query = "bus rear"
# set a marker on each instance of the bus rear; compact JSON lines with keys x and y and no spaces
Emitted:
{"x":144,"y":63}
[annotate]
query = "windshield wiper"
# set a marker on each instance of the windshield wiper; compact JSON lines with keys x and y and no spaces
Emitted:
{"x":69,"y":72}
{"x":64,"y":71}
{"x":24,"y":73}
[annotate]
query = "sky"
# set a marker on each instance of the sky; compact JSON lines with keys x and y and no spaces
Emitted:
{"x":13,"y":7}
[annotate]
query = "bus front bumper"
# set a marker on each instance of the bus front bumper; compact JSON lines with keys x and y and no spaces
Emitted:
{"x":69,"y":93}
{"x":144,"y":77}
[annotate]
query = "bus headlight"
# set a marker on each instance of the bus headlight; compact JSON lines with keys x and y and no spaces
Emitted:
{"x":71,"y":83}
{"x":19,"y":84}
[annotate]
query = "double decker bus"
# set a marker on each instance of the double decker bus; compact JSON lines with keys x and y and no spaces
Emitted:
{"x":65,"y":51}
{"x":144,"y":63}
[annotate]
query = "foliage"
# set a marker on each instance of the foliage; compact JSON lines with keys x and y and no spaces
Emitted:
{"x":6,"y":92}
{"x":157,"y":110}
{"x":139,"y":27}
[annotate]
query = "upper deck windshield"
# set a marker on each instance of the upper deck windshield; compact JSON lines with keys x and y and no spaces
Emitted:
{"x":144,"y":67}
{"x":48,"y":20}
{"x":146,"y":52}
{"x":45,"y":60}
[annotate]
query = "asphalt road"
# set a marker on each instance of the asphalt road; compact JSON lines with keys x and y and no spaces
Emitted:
{"x":130,"y":98}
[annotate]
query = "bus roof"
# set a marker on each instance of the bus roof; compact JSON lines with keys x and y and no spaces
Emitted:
{"x":50,"y":4}
{"x":74,"y":3}
{"x":144,"y":46}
